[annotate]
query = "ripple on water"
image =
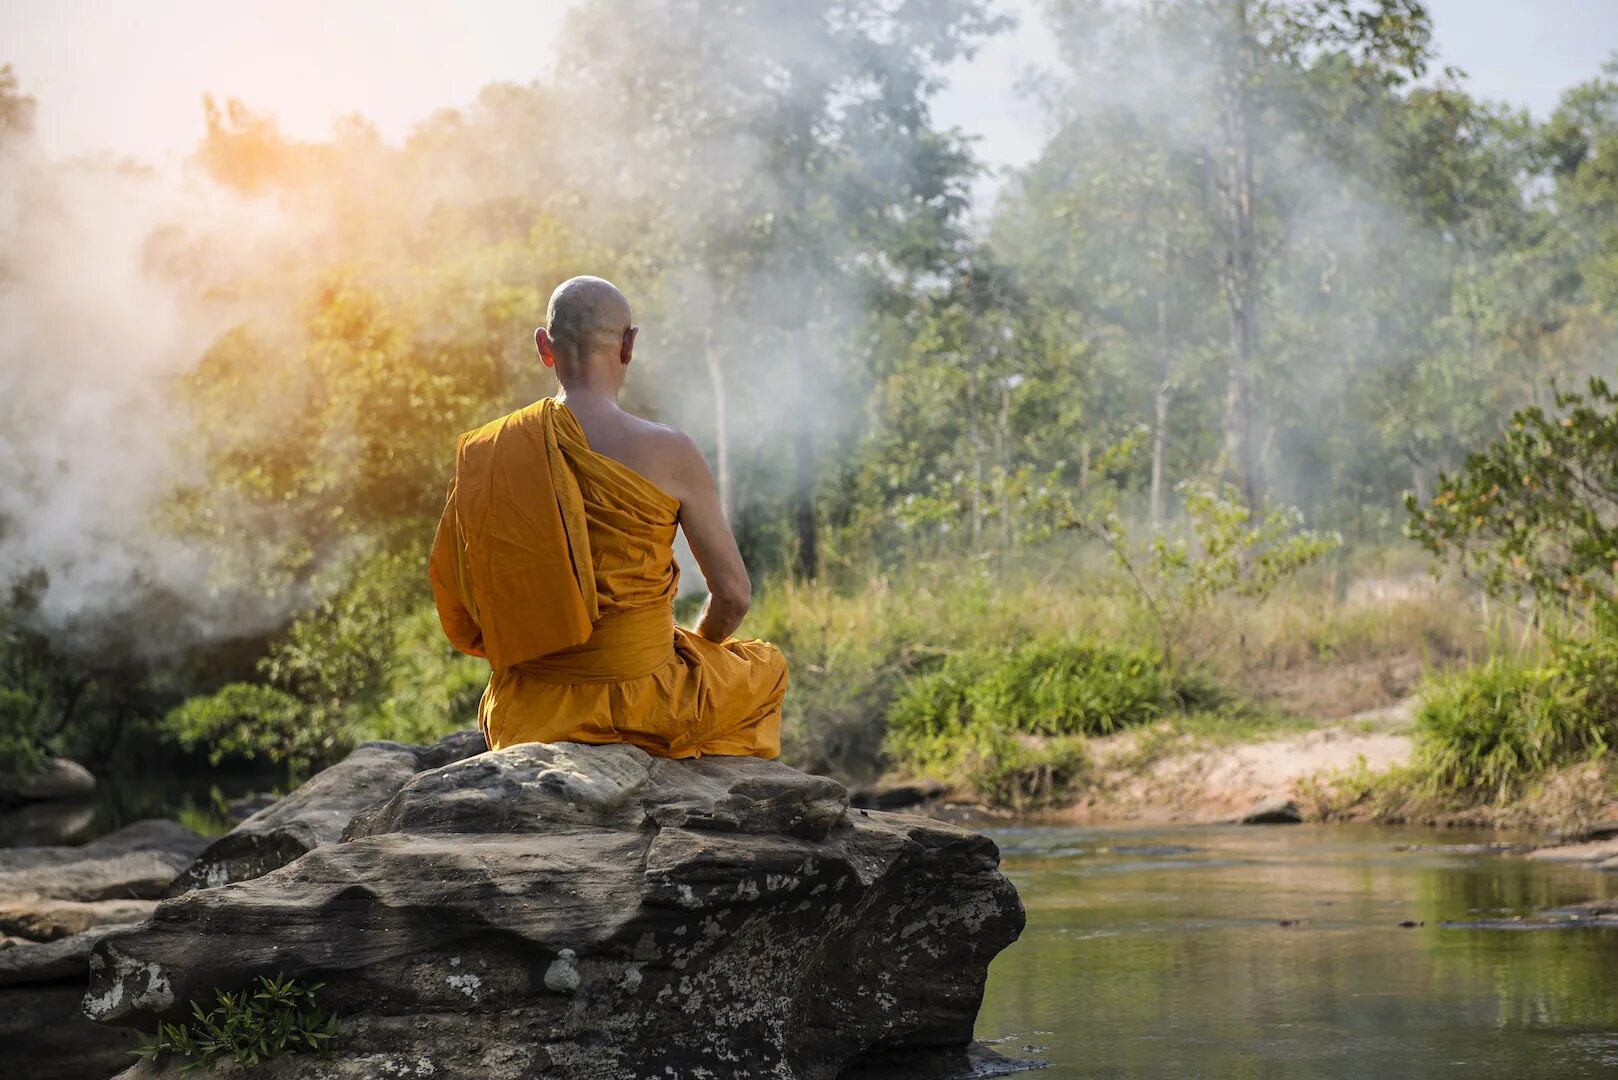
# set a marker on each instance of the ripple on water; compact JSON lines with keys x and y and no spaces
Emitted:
{"x":1311,"y":953}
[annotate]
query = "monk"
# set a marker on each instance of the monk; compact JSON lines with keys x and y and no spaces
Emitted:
{"x":554,"y":560}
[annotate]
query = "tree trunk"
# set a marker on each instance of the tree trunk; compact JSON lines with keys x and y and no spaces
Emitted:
{"x":803,"y":497}
{"x":1161,"y":399}
{"x":721,"y":423}
{"x":1239,"y":272}
{"x":975,"y":429}
{"x":1002,"y":439}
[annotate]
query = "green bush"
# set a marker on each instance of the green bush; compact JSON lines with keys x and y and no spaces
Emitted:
{"x":1021,"y":772}
{"x":1489,"y":730}
{"x":428,"y":689}
{"x":1058,"y":687}
{"x":21,"y":753}
{"x":1012,"y":724}
{"x":249,"y":720}
{"x":369,"y":662}
{"x":250,"y":1026}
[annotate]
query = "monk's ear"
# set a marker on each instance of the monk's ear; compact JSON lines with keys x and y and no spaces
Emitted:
{"x":547,"y":351}
{"x":626,"y":352}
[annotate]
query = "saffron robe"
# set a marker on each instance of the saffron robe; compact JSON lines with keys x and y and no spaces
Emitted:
{"x":556,"y":564}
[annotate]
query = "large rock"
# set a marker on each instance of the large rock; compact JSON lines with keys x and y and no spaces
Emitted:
{"x":896,"y":795}
{"x":64,"y":958}
{"x":135,"y":863}
{"x":69,"y":894}
{"x":36,"y":823}
{"x":1593,"y":852}
{"x":45,"y":1034}
{"x":48,"y":920}
{"x":59,"y":778}
{"x":46,"y":1038}
{"x":591,"y":912}
{"x":319,"y":811}
{"x":1276,"y":810}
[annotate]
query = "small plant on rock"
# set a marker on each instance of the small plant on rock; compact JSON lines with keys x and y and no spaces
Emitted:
{"x":275,"y":1016}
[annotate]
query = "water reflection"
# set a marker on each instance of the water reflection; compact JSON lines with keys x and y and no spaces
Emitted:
{"x":1279,"y":953}
{"x":210,"y":801}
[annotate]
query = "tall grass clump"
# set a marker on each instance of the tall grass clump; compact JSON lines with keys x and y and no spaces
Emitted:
{"x":1058,"y":687}
{"x":1011,"y":723}
{"x":858,"y":641}
{"x":854,"y":645}
{"x":1488,"y":731}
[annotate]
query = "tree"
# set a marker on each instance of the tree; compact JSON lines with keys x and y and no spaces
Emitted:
{"x":1536,"y":511}
{"x":1238,"y":111}
{"x":793,"y":168}
{"x":16,"y":108}
{"x":1579,"y":148}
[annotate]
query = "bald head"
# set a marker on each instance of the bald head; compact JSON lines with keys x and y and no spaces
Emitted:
{"x":587,"y":317}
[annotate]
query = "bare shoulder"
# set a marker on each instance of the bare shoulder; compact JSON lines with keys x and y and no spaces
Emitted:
{"x":669,"y":443}
{"x":667,"y":455}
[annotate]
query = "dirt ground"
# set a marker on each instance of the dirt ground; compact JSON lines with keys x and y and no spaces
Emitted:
{"x":1145,"y":779}
{"x":1197,"y":783}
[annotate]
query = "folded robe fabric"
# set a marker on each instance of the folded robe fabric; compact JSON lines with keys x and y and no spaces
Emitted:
{"x":557,"y":564}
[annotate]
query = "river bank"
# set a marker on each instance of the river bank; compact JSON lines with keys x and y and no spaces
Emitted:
{"x":1352,"y":769}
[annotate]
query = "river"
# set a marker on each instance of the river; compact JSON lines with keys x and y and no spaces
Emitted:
{"x":1281,"y":953}
{"x":1221,"y":953}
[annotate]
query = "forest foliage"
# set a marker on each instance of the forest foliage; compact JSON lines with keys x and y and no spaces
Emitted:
{"x":1270,"y":277}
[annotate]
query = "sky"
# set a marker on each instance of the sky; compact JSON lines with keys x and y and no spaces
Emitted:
{"x":129,"y":77}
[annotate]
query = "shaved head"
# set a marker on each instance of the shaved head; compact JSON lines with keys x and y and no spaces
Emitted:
{"x":586,"y":315}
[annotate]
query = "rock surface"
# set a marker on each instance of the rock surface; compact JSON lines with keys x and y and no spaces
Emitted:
{"x":65,"y":958}
{"x":1595,"y":852}
{"x":38,"y":823}
{"x":896,"y":795}
{"x":65,"y":899}
{"x":319,"y":811}
{"x":1273,"y":811}
{"x":59,"y":779}
{"x":46,"y":1038}
{"x":135,"y":863}
{"x":591,"y":912}
{"x":47,"y":920}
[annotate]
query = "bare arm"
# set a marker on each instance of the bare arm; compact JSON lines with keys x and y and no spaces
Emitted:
{"x":729,"y":590}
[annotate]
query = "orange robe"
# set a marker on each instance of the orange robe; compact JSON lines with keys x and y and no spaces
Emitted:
{"x":556,"y":563}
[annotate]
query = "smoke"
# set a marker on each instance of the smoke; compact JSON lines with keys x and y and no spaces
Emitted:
{"x":782,"y":162}
{"x":98,"y":297}
{"x":734,"y":178}
{"x":1352,"y":282}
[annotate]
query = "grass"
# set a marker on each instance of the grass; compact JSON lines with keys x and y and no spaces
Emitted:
{"x":892,"y":670}
{"x":1059,"y":686}
{"x":1489,"y":730}
{"x":1524,"y":735}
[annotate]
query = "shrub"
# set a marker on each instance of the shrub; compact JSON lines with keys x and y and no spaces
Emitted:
{"x":1536,"y":511}
{"x":1012,"y":724}
{"x":1001,"y":767}
{"x":428,"y":689}
{"x":1488,"y":730}
{"x":249,"y":720}
{"x":1057,"y":687}
{"x":369,"y":662}
{"x":279,"y":1017}
{"x":21,"y":752}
